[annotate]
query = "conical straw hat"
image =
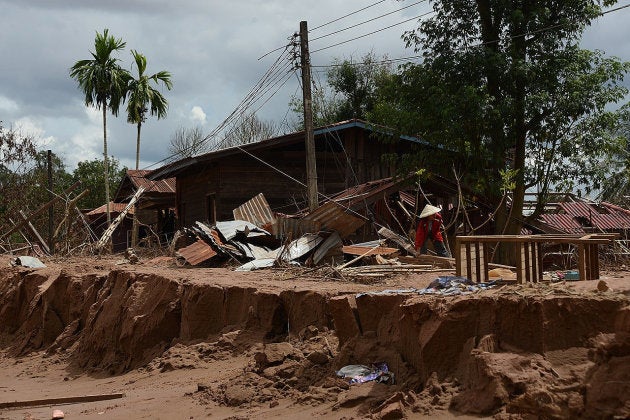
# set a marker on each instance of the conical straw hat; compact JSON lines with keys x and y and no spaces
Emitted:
{"x":428,"y":210}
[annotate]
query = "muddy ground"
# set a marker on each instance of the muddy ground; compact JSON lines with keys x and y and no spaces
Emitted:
{"x":184,"y":343}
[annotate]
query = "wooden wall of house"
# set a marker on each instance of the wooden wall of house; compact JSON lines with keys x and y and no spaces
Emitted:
{"x":209,"y":193}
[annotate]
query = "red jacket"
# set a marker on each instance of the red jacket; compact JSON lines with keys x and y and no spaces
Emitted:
{"x":423,"y":230}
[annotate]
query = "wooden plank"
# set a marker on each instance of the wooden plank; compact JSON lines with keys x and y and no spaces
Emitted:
{"x":61,"y":400}
{"x":399,"y":240}
{"x":582,"y":261}
{"x":34,"y":232}
{"x":110,"y":230}
{"x":458,"y":256}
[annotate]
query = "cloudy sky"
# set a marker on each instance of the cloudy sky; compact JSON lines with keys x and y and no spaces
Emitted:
{"x":212,"y":49}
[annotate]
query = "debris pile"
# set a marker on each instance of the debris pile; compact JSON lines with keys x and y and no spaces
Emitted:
{"x":258,"y":238}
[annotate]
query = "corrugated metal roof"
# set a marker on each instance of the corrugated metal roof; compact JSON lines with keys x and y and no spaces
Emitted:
{"x":578,"y":217}
{"x":197,"y":253}
{"x":256,"y":211}
{"x":332,"y":216}
{"x":113,"y":208}
{"x":138,"y":178}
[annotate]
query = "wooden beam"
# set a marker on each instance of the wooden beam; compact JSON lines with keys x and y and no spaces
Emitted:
{"x":61,"y":400}
{"x":110,"y":230}
{"x":39,"y":211}
{"x":34,"y":232}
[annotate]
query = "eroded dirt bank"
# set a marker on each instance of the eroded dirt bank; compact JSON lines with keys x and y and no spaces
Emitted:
{"x":543,"y":351}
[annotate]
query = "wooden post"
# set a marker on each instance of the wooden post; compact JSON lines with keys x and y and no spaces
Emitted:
{"x":51,"y":212}
{"x":311,"y":163}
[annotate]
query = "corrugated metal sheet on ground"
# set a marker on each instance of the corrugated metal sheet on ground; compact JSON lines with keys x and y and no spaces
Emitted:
{"x":256,"y":211}
{"x":332,"y":216}
{"x":286,"y":226}
{"x":138,"y":178}
{"x":329,"y":245}
{"x":301,"y":246}
{"x":230,"y":229}
{"x":365,"y":193}
{"x":197,"y":253}
{"x":361,"y":250}
{"x":256,"y":264}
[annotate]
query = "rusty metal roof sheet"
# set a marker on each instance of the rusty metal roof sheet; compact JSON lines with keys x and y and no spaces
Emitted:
{"x":138,"y":179}
{"x":333,"y":216}
{"x":113,"y":208}
{"x":256,"y":211}
{"x":578,"y":217}
{"x":197,"y":253}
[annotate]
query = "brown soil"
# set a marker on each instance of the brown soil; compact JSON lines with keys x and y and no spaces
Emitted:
{"x":209,"y":342}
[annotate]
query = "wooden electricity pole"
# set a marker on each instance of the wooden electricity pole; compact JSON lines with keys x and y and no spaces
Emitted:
{"x":311,"y":163}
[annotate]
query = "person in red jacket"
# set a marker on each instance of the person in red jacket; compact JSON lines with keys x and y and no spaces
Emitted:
{"x":429,"y":226}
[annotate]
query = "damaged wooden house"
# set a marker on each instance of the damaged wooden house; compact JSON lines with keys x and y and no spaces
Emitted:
{"x":210,"y":186}
{"x":264,"y":183}
{"x":154,"y":211}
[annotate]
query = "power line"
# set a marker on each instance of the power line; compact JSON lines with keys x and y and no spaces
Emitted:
{"x":410,"y":58}
{"x":372,"y":33}
{"x":345,"y":16}
{"x":269,"y":78}
{"x":367,"y":21}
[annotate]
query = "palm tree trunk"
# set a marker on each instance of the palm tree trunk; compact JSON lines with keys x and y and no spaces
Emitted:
{"x":138,"y":147}
{"x":135,"y":226}
{"x":106,"y":164}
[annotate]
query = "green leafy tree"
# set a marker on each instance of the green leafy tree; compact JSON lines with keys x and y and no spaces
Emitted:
{"x":103,"y":82}
{"x":351,"y":90}
{"x":616,"y":188}
{"x":145,"y":98}
{"x":506,"y":85}
{"x":90,"y":174}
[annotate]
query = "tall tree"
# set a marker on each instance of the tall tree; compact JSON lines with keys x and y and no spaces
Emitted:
{"x":90,"y":174}
{"x":248,"y":129}
{"x":187,"y":142}
{"x":103,"y":82}
{"x":145,"y":98}
{"x":17,"y":151}
{"x":616,"y":187}
{"x":507,"y":85}
{"x":351,"y":90}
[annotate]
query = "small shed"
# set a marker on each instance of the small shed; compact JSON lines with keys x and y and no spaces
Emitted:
{"x":155,"y":209}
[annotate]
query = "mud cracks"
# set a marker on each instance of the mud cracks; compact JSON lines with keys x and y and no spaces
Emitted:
{"x":549,"y":355}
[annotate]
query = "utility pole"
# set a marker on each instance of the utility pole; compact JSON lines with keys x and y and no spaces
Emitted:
{"x":311,"y":163}
{"x":51,"y":211}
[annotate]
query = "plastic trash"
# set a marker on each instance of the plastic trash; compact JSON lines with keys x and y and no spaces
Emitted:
{"x":357,"y":374}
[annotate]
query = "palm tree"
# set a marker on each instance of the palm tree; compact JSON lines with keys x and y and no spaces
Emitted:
{"x":143,"y":97}
{"x":103,"y":83}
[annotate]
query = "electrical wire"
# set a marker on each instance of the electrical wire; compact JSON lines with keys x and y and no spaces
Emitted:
{"x":366,"y":21}
{"x":345,"y":16}
{"x":268,"y":79}
{"x":414,"y":57}
{"x":372,"y":33}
